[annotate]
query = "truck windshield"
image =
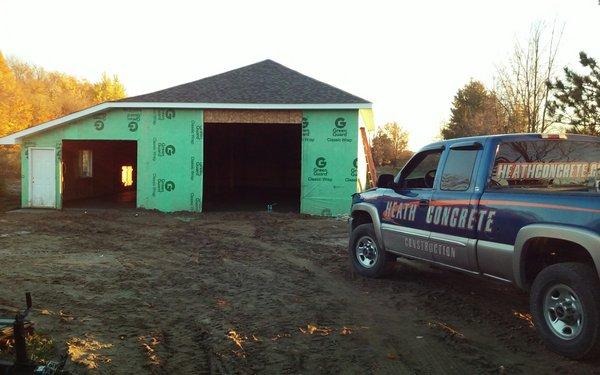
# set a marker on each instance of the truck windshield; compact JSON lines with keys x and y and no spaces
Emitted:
{"x":548,"y":165}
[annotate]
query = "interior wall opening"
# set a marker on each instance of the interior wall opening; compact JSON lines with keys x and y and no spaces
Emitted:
{"x":251,"y":166}
{"x":99,"y":174}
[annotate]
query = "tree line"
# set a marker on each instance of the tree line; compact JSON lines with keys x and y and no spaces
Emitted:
{"x":528,"y":96}
{"x":30,"y":95}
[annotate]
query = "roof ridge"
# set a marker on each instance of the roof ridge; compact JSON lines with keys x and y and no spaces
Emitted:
{"x":265,"y":81}
{"x":314,"y":79}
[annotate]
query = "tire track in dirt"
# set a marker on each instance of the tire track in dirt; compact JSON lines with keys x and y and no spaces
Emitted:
{"x":414,"y":355}
{"x":471,"y":350}
{"x":491,"y":316}
{"x":188,"y":280}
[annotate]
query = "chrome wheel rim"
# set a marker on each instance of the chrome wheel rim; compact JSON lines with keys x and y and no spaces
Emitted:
{"x":366,"y":252}
{"x":563,"y":312}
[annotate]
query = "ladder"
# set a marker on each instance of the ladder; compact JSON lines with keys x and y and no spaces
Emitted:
{"x":370,"y":163}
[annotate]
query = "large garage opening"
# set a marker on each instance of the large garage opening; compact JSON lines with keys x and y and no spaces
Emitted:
{"x":251,"y":166}
{"x":99,"y":174}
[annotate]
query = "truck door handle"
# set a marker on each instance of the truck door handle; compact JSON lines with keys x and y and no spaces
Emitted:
{"x":424,"y":202}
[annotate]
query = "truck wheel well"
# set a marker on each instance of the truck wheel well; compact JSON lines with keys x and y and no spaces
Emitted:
{"x":542,"y":252}
{"x":360,"y":217}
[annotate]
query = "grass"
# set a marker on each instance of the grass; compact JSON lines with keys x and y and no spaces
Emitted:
{"x":40,"y":348}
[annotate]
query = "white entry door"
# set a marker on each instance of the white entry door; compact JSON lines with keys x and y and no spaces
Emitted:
{"x":42,"y":177}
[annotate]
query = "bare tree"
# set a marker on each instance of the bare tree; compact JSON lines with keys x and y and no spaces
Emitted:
{"x":521,"y":82}
{"x":389,"y":146}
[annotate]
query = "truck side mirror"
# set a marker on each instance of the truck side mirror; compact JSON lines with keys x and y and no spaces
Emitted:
{"x":385,"y":181}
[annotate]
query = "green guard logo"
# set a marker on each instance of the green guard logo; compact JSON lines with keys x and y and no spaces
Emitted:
{"x":306,"y":131}
{"x":99,"y":123}
{"x":197,"y":131}
{"x":166,"y":114}
{"x":134,"y":119}
{"x":321,"y":162}
{"x":353,"y":171}
{"x":196,"y":168}
{"x":320,"y":169}
{"x":165,"y":150}
{"x":195,"y":203}
{"x":339,"y":128}
{"x":161,"y":114}
{"x":165,"y":185}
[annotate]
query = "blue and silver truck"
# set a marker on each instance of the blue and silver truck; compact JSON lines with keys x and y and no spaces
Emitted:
{"x":519,"y":208}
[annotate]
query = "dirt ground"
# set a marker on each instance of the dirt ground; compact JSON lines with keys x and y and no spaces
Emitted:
{"x":145,"y":292}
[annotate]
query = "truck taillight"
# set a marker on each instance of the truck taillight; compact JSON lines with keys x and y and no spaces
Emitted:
{"x":554,"y":136}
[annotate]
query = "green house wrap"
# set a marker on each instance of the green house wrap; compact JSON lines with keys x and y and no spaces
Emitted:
{"x":329,"y":161}
{"x":169,"y":153}
{"x":168,"y":156}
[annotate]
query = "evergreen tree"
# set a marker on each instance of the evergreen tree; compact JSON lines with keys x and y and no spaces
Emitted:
{"x":475,"y":111}
{"x":576,"y":100}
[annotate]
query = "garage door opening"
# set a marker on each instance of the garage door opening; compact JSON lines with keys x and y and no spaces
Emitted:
{"x":99,"y":174}
{"x":250,"y":166}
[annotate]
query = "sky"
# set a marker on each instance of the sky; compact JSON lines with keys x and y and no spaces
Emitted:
{"x":407,"y":57}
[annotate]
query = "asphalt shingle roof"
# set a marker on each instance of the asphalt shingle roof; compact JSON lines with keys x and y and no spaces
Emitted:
{"x":265,"y":82}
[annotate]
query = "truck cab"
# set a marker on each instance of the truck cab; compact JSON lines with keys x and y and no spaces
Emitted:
{"x":519,"y":208}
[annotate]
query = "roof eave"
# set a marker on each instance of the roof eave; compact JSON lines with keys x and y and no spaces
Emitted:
{"x":15,"y":138}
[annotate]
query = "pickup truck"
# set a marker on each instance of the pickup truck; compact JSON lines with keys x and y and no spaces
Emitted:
{"x":519,"y":208}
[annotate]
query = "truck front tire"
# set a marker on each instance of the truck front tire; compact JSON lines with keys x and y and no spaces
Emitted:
{"x":366,"y":255}
{"x":565,"y":305}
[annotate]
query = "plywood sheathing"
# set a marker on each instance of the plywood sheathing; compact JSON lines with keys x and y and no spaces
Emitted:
{"x":252,"y":116}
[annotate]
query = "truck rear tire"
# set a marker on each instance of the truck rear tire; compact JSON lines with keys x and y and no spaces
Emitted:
{"x":565,"y":305}
{"x":366,"y":254}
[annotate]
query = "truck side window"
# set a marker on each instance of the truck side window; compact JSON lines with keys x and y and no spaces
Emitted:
{"x":420,"y":171}
{"x":458,"y":170}
{"x":557,"y":166}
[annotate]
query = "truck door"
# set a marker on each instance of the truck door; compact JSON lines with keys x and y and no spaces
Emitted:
{"x":403,"y":220}
{"x":453,"y":216}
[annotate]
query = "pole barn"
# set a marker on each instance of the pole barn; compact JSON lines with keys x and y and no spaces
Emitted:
{"x":261,"y":135}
